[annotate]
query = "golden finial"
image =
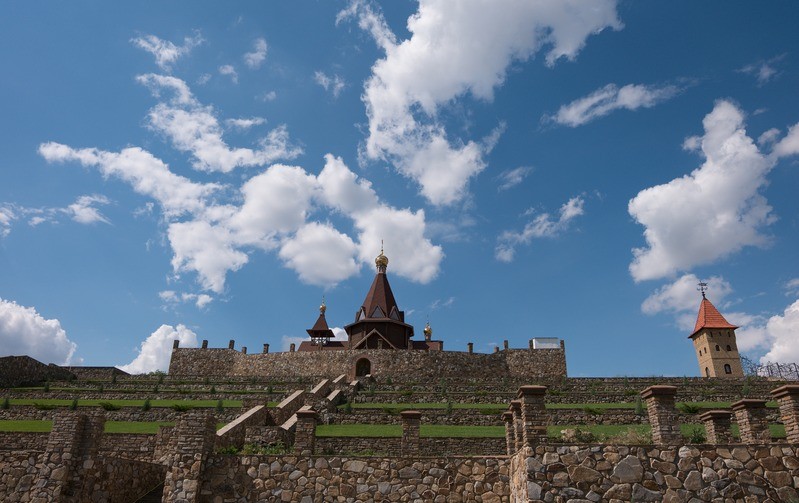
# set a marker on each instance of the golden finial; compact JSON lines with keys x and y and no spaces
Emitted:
{"x":427,"y":330}
{"x":381,"y":260}
{"x":323,"y":307}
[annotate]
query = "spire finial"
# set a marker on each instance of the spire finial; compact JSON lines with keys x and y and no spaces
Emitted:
{"x":323,"y":307}
{"x":702,"y":288}
{"x":381,"y":261}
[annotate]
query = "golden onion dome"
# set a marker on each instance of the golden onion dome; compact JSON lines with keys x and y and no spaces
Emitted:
{"x":381,"y":260}
{"x":322,"y":308}
{"x":428,"y":330}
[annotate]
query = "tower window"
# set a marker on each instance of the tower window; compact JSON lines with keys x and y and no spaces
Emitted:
{"x":718,"y":348}
{"x":727,"y":368}
{"x":729,"y":348}
{"x":707,"y":372}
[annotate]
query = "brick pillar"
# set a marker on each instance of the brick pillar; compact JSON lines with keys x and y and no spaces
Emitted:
{"x":750,"y":414}
{"x":292,"y":347}
{"x":518,"y":424}
{"x":470,"y":347}
{"x":717,"y":426}
{"x":205,"y":344}
{"x":788,"y":399}
{"x":175,"y":344}
{"x":662,"y":414}
{"x":266,"y":348}
{"x":505,"y":344}
{"x":305,"y":432}
{"x":231,"y":344}
{"x":510,"y":432}
{"x":191,"y":443}
{"x":496,"y":349}
{"x":411,"y":420}
{"x":244,"y":350}
{"x":530,"y":344}
{"x":534,"y":416}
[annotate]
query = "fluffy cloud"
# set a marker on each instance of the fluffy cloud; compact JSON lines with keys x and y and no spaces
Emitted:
{"x":780,"y":332}
{"x":23,"y":331}
{"x":212,"y":229}
{"x":245,"y":123}
{"x":82,"y":211}
{"x":457,"y":49}
{"x":789,"y":144}
{"x":195,"y":129}
{"x":333,"y":84}
{"x":258,"y":55}
{"x":513,"y":177}
{"x":542,"y":226}
{"x":609,"y":98}
{"x":166,"y":53}
{"x":714,"y":211}
{"x":230,"y":71}
{"x":156,"y":350}
{"x":7,"y":215}
{"x":172,"y":298}
{"x":681,"y":298}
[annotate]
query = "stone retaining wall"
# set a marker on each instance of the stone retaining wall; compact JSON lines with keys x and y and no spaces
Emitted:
{"x":22,"y":370}
{"x":296,"y":479}
{"x":430,"y":446}
{"x":430,"y":365}
{"x":165,"y":414}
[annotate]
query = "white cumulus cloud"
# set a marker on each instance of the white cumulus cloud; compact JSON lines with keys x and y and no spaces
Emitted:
{"x":23,"y":331}
{"x":542,"y":226}
{"x":84,"y":212}
{"x":780,"y":332}
{"x":258,"y":55}
{"x":681,"y":298}
{"x":230,"y":71}
{"x":609,"y":98}
{"x":156,"y":350}
{"x":455,"y":49}
{"x":710,"y":213}
{"x":245,"y":123}
{"x":166,"y":53}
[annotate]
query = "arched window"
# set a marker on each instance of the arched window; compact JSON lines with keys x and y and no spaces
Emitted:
{"x":707,"y":372}
{"x":363,"y":367}
{"x":727,"y":368}
{"x":718,"y":348}
{"x":729,"y":348}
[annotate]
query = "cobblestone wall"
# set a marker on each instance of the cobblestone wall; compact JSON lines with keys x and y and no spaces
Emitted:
{"x":429,"y":446}
{"x":430,"y":365}
{"x":298,"y":479}
{"x":19,"y":370}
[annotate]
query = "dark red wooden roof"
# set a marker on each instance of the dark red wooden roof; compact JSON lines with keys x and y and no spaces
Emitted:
{"x":379,"y":295}
{"x":320,"y":328}
{"x":710,"y":317}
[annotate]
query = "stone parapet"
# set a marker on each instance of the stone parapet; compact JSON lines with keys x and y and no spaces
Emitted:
{"x":305,"y":432}
{"x":411,"y":424}
{"x":717,"y":426}
{"x":787,"y":398}
{"x":533,"y":414}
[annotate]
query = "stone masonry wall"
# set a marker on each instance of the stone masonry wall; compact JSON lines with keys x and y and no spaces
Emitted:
{"x":430,"y":446}
{"x":296,"y":479}
{"x":19,"y":370}
{"x":430,"y":365}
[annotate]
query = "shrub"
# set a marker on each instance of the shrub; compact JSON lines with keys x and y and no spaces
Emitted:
{"x":593,"y":411}
{"x":109,"y":406}
{"x":269,"y":389}
{"x":47,"y":386}
{"x":449,"y":408}
{"x":630,"y":392}
{"x":155,"y":389}
{"x":696,"y":435}
{"x":181,"y":407}
{"x":161,"y":378}
{"x":393,"y":411}
{"x":43,"y":406}
{"x":481,"y":392}
{"x":113,"y":379}
{"x":630,"y":437}
{"x":213,"y":390}
{"x":639,"y":406}
{"x":220,"y":406}
{"x":688,"y":408}
{"x":146,"y":405}
{"x":100,"y":388}
{"x":272,"y":449}
{"x":206,"y":381}
{"x":230,"y":450}
{"x":6,"y":404}
{"x":389,"y":381}
{"x":406,"y":392}
{"x":747,"y":388}
{"x":347,"y":409}
{"x":73,"y":405}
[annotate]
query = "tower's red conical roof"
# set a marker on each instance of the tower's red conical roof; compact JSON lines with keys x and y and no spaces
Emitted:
{"x":710,"y":317}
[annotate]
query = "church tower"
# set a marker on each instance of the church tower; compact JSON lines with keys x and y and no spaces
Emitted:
{"x":714,"y":342}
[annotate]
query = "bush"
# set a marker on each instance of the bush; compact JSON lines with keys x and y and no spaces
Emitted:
{"x":213,"y":390}
{"x":406,"y":392}
{"x":230,"y":450}
{"x":449,"y":408}
{"x":269,"y":389}
{"x":73,"y":405}
{"x":747,"y":388}
{"x":393,"y":411}
{"x":630,"y":437}
{"x":389,"y":381}
{"x":146,"y":405}
{"x":630,"y":392}
{"x":593,"y":411}
{"x":696,"y":435}
{"x":109,"y":406}
{"x":161,"y":378}
{"x":47,"y":386}
{"x":688,"y":408}
{"x":206,"y":381}
{"x":181,"y":407}
{"x":274,"y":449}
{"x":113,"y":379}
{"x":220,"y":406}
{"x":100,"y":388}
{"x":347,"y":409}
{"x":6,"y":404}
{"x":43,"y":406}
{"x":639,"y":407}
{"x":155,"y":389}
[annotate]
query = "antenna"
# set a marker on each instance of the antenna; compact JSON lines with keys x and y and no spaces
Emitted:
{"x":702,"y":288}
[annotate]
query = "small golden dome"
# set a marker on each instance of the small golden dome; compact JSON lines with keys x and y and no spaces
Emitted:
{"x":381,"y":260}
{"x":428,"y":330}
{"x":323,"y":307}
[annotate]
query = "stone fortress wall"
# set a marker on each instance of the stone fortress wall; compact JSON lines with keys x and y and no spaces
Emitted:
{"x":429,"y":365}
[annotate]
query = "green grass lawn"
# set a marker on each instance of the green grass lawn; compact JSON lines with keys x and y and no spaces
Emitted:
{"x":64,"y":402}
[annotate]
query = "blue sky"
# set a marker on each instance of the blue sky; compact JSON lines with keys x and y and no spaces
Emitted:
{"x":557,"y":169}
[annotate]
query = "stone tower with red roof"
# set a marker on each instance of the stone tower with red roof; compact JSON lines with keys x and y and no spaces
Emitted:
{"x":714,"y":343}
